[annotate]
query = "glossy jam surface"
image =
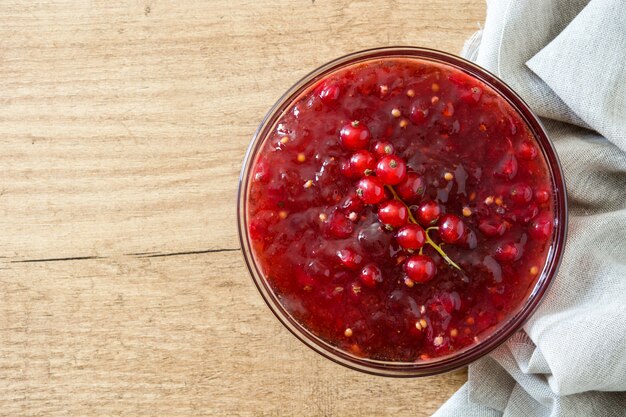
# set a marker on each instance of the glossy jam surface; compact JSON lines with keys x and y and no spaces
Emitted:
{"x":400,"y":210}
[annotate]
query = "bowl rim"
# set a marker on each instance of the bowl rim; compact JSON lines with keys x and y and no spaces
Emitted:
{"x":505,"y":329}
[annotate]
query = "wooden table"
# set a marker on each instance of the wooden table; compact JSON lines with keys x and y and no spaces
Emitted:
{"x":122,"y":130}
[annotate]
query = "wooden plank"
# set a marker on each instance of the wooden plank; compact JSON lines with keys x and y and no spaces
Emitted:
{"x":175,"y":335}
{"x":122,"y":130}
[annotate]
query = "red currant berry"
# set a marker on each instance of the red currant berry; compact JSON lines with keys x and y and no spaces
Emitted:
{"x":390,"y":170}
{"x":393,"y":213}
{"x":451,"y":228}
{"x":506,"y":252}
{"x":370,"y":190}
{"x":418,"y":113}
{"x":412,"y":187}
{"x":460,"y":79}
{"x":530,"y":213}
{"x":349,"y":258}
{"x":507,"y":168}
{"x":526,"y":150}
{"x":428,"y":213}
{"x":329,"y":94}
{"x":354,"y":136}
{"x":260,"y":224}
{"x":541,"y":229}
{"x":339,"y":226}
{"x":472,"y":95}
{"x":347,"y":171}
{"x":411,"y":237}
{"x":362,"y":163}
{"x":521,"y":193}
{"x":304,"y":280}
{"x":485,"y":321}
{"x":371,"y":275}
{"x":524,"y":214}
{"x":383,"y":148}
{"x":262,"y":171}
{"x":420,"y":268}
{"x":352,"y":204}
{"x":374,"y":240}
{"x":448,"y":110}
{"x":542,"y":196}
{"x":491,"y":227}
{"x":469,"y":239}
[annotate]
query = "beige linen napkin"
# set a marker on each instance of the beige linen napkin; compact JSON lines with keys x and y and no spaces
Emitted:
{"x":567,"y":59}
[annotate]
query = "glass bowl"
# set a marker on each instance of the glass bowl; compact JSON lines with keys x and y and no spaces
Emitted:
{"x":504,"y":329}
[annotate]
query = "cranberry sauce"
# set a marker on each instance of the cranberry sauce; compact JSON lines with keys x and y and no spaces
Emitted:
{"x":400,"y":209}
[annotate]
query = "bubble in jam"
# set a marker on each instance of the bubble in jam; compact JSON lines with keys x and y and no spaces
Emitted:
{"x":400,"y":209}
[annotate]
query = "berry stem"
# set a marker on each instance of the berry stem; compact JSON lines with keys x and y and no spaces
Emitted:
{"x":440,"y":251}
{"x":428,"y":239}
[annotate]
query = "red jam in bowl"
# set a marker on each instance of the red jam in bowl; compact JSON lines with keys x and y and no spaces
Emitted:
{"x":400,"y":209}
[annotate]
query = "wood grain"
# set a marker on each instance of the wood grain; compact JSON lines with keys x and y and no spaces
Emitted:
{"x":122,"y":130}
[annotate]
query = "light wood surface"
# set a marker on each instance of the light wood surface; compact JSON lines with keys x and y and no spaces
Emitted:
{"x":122,"y":129}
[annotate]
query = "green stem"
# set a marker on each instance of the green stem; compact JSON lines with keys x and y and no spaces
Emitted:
{"x":428,"y":239}
{"x":441,"y":252}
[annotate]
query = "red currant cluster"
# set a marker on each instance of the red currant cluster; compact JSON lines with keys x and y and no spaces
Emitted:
{"x":381,"y":171}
